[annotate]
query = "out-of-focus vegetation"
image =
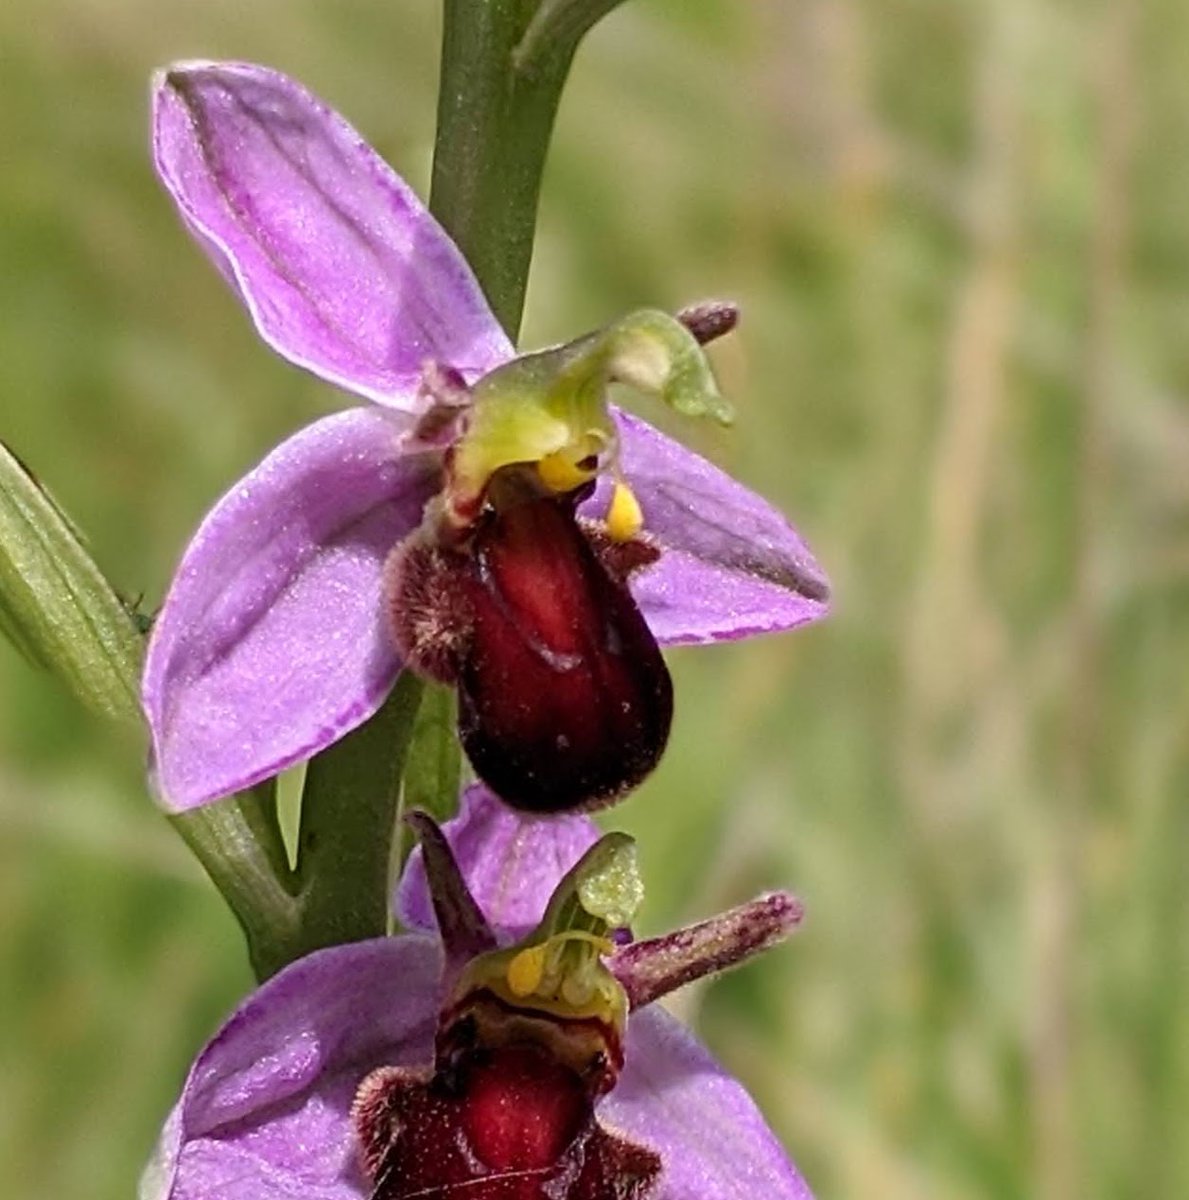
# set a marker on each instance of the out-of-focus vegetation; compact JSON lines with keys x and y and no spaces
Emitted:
{"x":960,"y":232}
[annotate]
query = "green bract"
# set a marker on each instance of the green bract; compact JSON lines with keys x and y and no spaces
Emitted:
{"x":55,"y":605}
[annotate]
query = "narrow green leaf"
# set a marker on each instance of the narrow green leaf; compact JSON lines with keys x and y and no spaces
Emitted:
{"x":55,"y":605}
{"x":13,"y":630}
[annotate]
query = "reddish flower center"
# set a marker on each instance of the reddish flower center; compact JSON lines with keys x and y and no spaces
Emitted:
{"x":510,"y":1123}
{"x":564,"y":699}
{"x":522,"y":1110}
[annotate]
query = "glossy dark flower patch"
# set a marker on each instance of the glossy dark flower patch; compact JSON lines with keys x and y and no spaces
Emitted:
{"x":564,"y":698}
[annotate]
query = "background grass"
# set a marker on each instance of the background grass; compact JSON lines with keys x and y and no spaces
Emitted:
{"x":960,"y":234}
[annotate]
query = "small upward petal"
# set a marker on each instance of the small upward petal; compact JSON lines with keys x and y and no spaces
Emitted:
{"x":511,"y":862}
{"x":463,"y":928}
{"x":731,"y":565}
{"x":342,"y":267}
{"x":271,"y":643}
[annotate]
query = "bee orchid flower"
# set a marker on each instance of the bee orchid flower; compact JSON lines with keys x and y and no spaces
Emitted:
{"x":472,"y":1057}
{"x":488,"y":520}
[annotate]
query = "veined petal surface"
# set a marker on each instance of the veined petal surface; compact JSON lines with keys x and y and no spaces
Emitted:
{"x":340,"y":264}
{"x":272,"y":643}
{"x":731,"y":564}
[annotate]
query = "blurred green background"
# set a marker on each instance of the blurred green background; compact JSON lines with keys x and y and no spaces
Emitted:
{"x":960,"y":233}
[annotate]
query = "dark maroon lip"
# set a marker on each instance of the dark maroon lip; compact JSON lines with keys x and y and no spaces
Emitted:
{"x":565,"y":701}
{"x":506,"y":1124}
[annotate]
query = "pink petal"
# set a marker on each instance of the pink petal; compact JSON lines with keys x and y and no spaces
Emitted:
{"x":341,"y":266}
{"x":731,"y":565}
{"x":675,"y":1099}
{"x":265,"y":1112}
{"x":272,"y":643}
{"x":511,"y":862}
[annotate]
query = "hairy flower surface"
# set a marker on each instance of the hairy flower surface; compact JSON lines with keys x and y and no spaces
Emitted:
{"x":277,"y":635}
{"x":370,"y":1070}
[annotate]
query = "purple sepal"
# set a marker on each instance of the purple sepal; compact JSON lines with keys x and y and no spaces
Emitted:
{"x":511,"y":863}
{"x":340,"y":264}
{"x":676,"y":1099}
{"x":271,"y":643}
{"x":265,"y":1111}
{"x":731,"y":565}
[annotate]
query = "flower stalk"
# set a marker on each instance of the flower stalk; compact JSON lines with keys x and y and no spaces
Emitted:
{"x":239,"y":843}
{"x":495,"y":116}
{"x":350,"y":811}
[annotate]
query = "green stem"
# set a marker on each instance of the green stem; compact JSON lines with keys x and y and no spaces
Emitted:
{"x":433,"y":764}
{"x":432,"y":767}
{"x":239,"y":844}
{"x":340,"y":890}
{"x":564,"y":21}
{"x":350,"y":811}
{"x":495,"y":114}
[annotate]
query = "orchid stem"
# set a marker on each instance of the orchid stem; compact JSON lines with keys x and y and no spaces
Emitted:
{"x":239,"y":843}
{"x":350,"y":812}
{"x":504,"y":64}
{"x":555,"y":21}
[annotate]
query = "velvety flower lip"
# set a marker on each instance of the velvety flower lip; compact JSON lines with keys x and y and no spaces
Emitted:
{"x":265,"y":1110}
{"x":271,"y":643}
